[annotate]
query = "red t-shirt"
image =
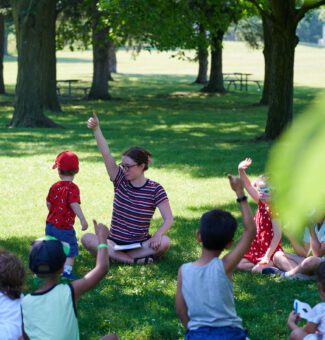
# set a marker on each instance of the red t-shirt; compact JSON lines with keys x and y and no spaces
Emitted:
{"x":61,"y":195}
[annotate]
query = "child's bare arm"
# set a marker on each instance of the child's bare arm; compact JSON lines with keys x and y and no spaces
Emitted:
{"x":181,"y":308}
{"x":91,"y":279}
{"x":301,"y":250}
{"x":274,"y":243}
{"x":231,"y":260}
{"x":317,"y":247}
{"x":111,"y":166}
{"x":77,"y":210}
{"x":242,"y":166}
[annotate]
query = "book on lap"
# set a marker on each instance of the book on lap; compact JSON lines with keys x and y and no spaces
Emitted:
{"x":127,"y":246}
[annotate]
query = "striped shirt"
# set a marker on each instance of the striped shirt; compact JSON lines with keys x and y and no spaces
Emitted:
{"x":133,"y":208}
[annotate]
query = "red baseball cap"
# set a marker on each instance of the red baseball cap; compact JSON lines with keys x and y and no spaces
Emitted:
{"x":66,"y":161}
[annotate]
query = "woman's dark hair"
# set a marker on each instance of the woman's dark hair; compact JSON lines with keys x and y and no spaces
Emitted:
{"x":12,"y":275}
{"x":320,"y":275}
{"x":139,"y":155}
{"x":217,"y":229}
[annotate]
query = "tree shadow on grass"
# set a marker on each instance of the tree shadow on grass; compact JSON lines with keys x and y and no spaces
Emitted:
{"x":202,"y":137}
{"x":137,"y":302}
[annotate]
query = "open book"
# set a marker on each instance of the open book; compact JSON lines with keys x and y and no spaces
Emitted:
{"x":303,"y":309}
{"x":127,"y":246}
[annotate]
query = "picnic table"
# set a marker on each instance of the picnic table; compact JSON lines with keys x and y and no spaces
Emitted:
{"x":70,"y":87}
{"x":237,"y":78}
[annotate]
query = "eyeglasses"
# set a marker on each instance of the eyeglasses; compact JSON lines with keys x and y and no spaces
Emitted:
{"x":127,"y":167}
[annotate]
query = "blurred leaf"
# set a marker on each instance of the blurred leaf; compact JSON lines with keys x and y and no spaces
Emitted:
{"x":297,"y":164}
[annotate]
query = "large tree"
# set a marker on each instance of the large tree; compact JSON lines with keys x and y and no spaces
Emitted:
{"x":29,"y":17}
{"x":282,"y":18}
{"x":85,"y":23}
{"x":48,"y":59}
{"x":2,"y":44}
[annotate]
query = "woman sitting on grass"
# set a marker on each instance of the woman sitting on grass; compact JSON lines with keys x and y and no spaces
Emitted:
{"x":135,"y":201}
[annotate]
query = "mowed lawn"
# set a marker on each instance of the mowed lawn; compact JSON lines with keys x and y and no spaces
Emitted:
{"x":196,"y":139}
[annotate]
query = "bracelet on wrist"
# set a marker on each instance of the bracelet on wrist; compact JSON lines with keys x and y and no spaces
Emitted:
{"x":241,"y":199}
{"x":102,"y":245}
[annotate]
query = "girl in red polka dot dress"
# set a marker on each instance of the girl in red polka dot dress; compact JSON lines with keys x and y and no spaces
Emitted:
{"x":268,"y":235}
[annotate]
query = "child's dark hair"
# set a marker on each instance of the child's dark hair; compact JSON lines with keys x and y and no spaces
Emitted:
{"x":139,"y":155}
{"x":12,"y":275}
{"x":217,"y":229}
{"x":68,"y":172}
{"x":320,"y":275}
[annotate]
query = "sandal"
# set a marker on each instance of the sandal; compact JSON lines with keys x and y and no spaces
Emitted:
{"x":143,"y":260}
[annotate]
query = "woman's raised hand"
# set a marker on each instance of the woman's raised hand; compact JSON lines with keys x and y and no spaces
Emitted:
{"x":93,"y":122}
{"x":243,"y":165}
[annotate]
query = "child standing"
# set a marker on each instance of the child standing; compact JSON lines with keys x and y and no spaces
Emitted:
{"x":63,"y":202}
{"x":12,"y":276}
{"x":50,"y":312}
{"x":268,"y":235}
{"x":315,"y":327}
{"x":205,"y":298}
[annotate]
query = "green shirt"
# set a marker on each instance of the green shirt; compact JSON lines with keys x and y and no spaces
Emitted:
{"x":51,"y":315}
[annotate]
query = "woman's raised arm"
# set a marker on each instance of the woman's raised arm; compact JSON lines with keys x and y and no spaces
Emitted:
{"x":111,"y":166}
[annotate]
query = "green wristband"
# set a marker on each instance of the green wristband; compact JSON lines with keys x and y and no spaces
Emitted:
{"x":102,"y":245}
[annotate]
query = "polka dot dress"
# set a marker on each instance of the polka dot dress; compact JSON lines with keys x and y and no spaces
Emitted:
{"x":264,"y":235}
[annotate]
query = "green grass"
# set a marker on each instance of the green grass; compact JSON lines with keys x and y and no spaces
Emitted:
{"x":196,"y":140}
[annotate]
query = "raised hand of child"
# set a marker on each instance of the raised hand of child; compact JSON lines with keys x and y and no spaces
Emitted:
{"x":236,"y":184}
{"x":101,"y":232}
{"x":93,"y":122}
{"x":243,"y":165}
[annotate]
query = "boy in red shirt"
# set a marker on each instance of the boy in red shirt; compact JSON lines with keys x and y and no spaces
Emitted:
{"x":63,"y":202}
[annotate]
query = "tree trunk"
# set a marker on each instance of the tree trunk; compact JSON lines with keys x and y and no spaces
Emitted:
{"x":2,"y":42}
{"x":99,"y":86}
{"x":215,"y":83}
{"x":29,"y":17}
{"x":284,"y":41}
{"x":202,"y":55}
{"x":48,"y":60}
{"x":267,"y":52}
{"x":202,"y":77}
{"x":5,"y":44}
{"x":112,"y":61}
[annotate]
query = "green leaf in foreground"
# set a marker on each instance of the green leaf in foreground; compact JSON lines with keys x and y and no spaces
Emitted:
{"x":296,"y":165}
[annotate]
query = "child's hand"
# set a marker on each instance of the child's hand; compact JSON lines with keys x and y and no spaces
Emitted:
{"x":236,"y":184}
{"x":244,"y":164}
{"x":293,"y":319}
{"x":93,"y":122}
{"x":264,"y":260}
{"x":84,"y":224}
{"x":101,"y":231}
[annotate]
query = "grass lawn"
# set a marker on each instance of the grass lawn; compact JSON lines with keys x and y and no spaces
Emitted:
{"x":196,"y":140}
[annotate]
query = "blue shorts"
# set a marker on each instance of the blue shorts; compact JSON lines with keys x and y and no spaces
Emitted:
{"x":65,"y":235}
{"x":216,"y":333}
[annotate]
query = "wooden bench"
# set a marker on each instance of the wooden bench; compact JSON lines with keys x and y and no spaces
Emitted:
{"x":85,"y":89}
{"x":259,"y":83}
{"x":231,"y":81}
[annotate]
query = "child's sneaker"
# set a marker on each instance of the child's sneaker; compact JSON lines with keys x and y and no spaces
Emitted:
{"x":70,"y":276}
{"x":271,"y":270}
